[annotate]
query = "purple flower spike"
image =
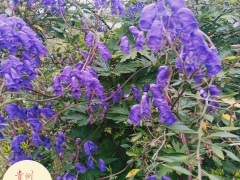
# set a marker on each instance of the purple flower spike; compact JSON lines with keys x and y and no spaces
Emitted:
{"x":61,"y":138}
{"x":214,"y":91}
{"x":176,"y":5}
{"x":139,"y":5}
{"x":46,"y":142}
{"x":89,"y":39}
{"x":187,"y":20}
{"x":16,"y":142}
{"x":162,"y":76}
{"x":146,"y":88}
{"x":140,"y":41}
{"x":145,"y":106}
{"x":66,"y":74}
{"x":155,"y":36}
{"x":37,"y":126}
{"x":114,"y":6}
{"x":136,"y":93}
{"x":12,"y":111}
{"x":89,"y":148}
{"x":90,"y":163}
{"x":12,"y":86}
{"x":81,"y":168}
{"x":103,"y":51}
{"x":17,"y":79}
{"x":30,"y":70}
{"x":76,"y":92}
{"x":134,"y":30}
{"x":58,"y":147}
{"x":57,"y":86}
{"x":156,"y":91}
{"x":115,"y":98}
{"x":97,"y":3}
{"x":36,"y":139}
{"x":39,"y":156}
{"x":213,"y":63}
{"x":22,"y":115}
{"x":102,"y":165}
{"x":147,"y":17}
{"x":162,"y":9}
{"x":14,"y":158}
{"x":5,"y":67}
{"x":124,"y":46}
{"x":135,"y":114}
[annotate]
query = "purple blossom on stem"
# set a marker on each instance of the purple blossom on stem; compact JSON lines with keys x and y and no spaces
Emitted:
{"x":162,"y":76}
{"x":90,"y":163}
{"x":124,"y":46}
{"x":57,"y":86}
{"x":66,"y":74}
{"x":104,"y":52}
{"x":36,"y":139}
{"x":145,"y":106}
{"x":76,"y":92}
{"x":136,"y":93}
{"x":135,"y":114}
{"x":147,"y":17}
{"x":102,"y":165}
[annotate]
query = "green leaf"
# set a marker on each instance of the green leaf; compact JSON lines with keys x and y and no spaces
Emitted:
{"x":81,"y":120}
{"x":213,"y":177}
{"x":179,"y":169}
{"x":226,"y":128}
{"x":231,"y":155}
{"x":181,"y":128}
{"x":235,"y":59}
{"x":126,"y":67}
{"x":117,"y":108}
{"x":224,"y":134}
{"x":163,"y":172}
{"x":218,"y":151}
{"x":224,"y":52}
{"x":208,"y":117}
{"x":103,"y":68}
{"x":59,"y":35}
{"x":130,"y":153}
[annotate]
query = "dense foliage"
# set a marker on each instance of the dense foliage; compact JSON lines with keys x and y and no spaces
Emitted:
{"x":121,"y":89}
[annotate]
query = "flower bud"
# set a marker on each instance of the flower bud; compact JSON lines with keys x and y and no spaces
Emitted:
{"x":90,"y":120}
{"x":11,"y":133}
{"x":39,"y":72}
{"x":73,"y":157}
{"x":102,"y":117}
{"x":6,"y":167}
{"x":62,"y":63}
{"x":55,"y":119}
{"x":87,"y":111}
{"x":21,"y":130}
{"x":105,"y":28}
{"x":22,"y":9}
{"x":90,"y":109}
{"x":82,"y":20}
{"x":33,"y":6}
{"x":61,"y":155}
{"x":70,"y":58}
{"x":189,"y":4}
{"x":65,"y":145}
{"x":78,"y":141}
{"x":5,"y":131}
{"x":55,"y":57}
{"x":104,"y":111}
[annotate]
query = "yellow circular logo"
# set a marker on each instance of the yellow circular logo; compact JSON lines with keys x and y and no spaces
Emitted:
{"x":27,"y":170}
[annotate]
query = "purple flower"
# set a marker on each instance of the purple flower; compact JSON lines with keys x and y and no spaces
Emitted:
{"x":12,"y":86}
{"x":37,"y":126}
{"x":29,"y":157}
{"x":212,"y":62}
{"x":12,"y":111}
{"x":166,"y":115}
{"x":131,"y":12}
{"x":22,"y":114}
{"x":203,"y":92}
{"x":90,"y":163}
{"x":86,"y":54}
{"x":153,"y":177}
{"x":176,"y":5}
{"x":115,"y":98}
{"x":105,"y":28}
{"x":58,"y":178}
{"x":136,"y":93}
{"x":61,"y":2}
{"x":16,"y":142}
{"x":121,"y":8}
{"x":57,"y":86}
{"x":16,"y":63}
{"x":81,"y":168}
{"x":17,"y":79}
{"x":61,"y":138}
{"x":103,"y":51}
{"x":145,"y":106}
{"x":82,"y":20}
{"x":214,"y":91}
{"x":34,"y":111}
{"x":156,"y":91}
{"x":139,"y":41}
{"x":30,"y":70}
{"x":199,"y":76}
{"x":58,"y":147}
{"x":102,"y":165}
{"x":14,"y":158}
{"x":38,"y":61}
{"x":46,"y":142}
{"x":76,"y":92}
{"x":135,"y":114}
{"x":41,"y":49}
{"x":5,"y":67}
{"x":213,"y":103}
{"x":97,"y":3}
{"x":134,"y":30}
{"x":90,"y":119}
{"x":114,"y":6}
{"x":89,"y":148}
{"x":155,"y":36}
{"x":139,"y":6}
{"x":162,"y":76}
{"x":36,"y":139}
{"x":47,"y":111}
{"x":162,"y":9}
{"x":146,"y":88}
{"x":2,"y":121}
{"x":147,"y":17}
{"x":27,"y":83}
{"x":89,"y":39}
{"x":66,"y":74}
{"x":124,"y":46}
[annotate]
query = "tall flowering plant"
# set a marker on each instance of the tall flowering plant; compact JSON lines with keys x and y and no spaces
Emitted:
{"x":108,"y":102}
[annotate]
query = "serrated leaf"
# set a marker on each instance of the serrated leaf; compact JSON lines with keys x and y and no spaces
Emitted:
{"x":117,"y":108}
{"x":218,"y":151}
{"x":133,"y":172}
{"x":103,"y":68}
{"x":231,"y":155}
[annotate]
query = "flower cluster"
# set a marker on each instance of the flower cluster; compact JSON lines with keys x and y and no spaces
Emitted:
{"x":15,"y":33}
{"x":214,"y":92}
{"x":139,"y":111}
{"x":35,"y":116}
{"x":133,"y":10}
